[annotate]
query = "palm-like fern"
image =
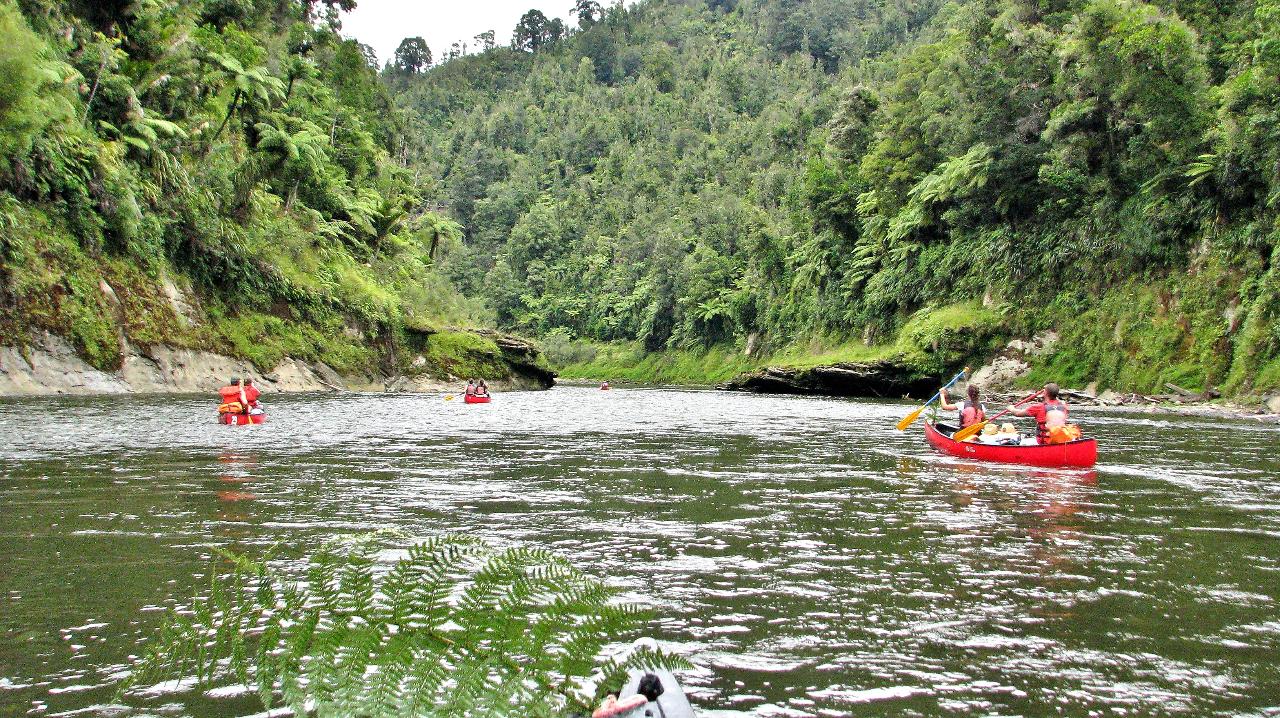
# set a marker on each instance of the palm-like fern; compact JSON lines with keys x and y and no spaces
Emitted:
{"x":452,"y":628}
{"x":253,"y":87}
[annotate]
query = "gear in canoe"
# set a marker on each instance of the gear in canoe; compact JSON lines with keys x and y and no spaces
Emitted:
{"x":648,"y":693}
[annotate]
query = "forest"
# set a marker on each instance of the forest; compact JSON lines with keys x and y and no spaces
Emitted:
{"x":221,"y":175}
{"x":689,"y":186}
{"x":850,"y":178}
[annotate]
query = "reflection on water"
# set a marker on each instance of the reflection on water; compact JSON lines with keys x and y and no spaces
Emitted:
{"x":808,"y":558}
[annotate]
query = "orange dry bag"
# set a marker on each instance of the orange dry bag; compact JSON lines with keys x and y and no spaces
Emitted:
{"x":1064,"y":434}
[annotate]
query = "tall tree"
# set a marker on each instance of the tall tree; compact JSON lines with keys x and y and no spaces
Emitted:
{"x":531,"y":33}
{"x":589,"y":12}
{"x":413,"y":55}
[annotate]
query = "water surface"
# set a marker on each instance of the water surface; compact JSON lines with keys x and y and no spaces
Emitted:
{"x":810,"y":559}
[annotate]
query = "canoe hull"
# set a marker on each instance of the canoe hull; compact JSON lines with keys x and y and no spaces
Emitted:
{"x":475,"y":399}
{"x":1079,"y":454}
{"x":241,"y":419}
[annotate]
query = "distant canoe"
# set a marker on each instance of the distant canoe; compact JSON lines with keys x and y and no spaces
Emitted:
{"x":1082,"y":453}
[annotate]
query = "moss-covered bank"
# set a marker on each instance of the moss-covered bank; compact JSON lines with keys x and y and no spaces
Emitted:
{"x":1204,"y":329}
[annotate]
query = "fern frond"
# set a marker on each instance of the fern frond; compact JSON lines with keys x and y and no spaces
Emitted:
{"x":450,"y":628}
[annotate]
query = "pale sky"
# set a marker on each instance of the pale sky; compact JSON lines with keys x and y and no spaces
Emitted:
{"x":382,"y":24}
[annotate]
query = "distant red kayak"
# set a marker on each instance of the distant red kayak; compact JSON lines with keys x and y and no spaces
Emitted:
{"x":241,"y":419}
{"x":473,"y":399}
{"x":1082,"y":453}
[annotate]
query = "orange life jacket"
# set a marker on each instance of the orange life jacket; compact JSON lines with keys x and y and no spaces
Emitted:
{"x":1055,"y":417}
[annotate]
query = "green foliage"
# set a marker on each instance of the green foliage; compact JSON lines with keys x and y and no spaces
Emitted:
{"x":238,"y":148}
{"x":465,"y":354}
{"x":447,"y":627}
{"x":688,"y":175}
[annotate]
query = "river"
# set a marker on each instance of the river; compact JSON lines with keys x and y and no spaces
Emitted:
{"x":807,"y":557}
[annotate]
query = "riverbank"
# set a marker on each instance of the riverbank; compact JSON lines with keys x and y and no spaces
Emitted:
{"x":49,"y":365}
{"x":905,"y":369}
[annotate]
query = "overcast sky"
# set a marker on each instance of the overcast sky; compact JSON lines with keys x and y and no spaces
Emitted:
{"x":382,"y":24}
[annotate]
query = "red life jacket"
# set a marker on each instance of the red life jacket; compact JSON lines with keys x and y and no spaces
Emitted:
{"x":1055,"y":415}
{"x":251,"y":394}
{"x":971,"y":413}
{"x":229,"y":394}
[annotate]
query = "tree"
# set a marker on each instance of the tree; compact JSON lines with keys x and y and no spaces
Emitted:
{"x":413,"y":55}
{"x":589,"y":12}
{"x":531,"y":33}
{"x":254,"y":87}
{"x":485,"y":40}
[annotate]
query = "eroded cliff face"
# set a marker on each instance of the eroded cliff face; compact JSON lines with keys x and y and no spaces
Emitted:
{"x":49,"y":365}
{"x":886,"y":379}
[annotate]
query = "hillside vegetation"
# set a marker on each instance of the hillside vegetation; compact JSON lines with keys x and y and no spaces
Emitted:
{"x":699,"y":178}
{"x":218,"y":174}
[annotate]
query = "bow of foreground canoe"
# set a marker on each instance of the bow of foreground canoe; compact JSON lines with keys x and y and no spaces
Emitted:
{"x":1081,"y":454}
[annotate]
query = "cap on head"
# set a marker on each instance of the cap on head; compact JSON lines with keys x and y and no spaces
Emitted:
{"x":989,"y":429}
{"x":235,"y":381}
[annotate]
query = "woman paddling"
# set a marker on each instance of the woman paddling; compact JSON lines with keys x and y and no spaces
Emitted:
{"x":971,"y":410}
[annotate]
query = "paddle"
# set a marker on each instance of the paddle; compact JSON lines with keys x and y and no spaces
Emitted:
{"x":911,"y":418}
{"x":448,"y":397}
{"x":973,"y":429}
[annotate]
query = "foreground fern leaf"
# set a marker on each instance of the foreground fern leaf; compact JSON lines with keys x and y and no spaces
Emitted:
{"x":453,"y":628}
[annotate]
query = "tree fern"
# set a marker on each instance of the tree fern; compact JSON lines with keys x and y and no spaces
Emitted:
{"x":452,"y":628}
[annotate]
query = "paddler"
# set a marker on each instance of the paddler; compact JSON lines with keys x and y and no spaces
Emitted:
{"x":251,"y":394}
{"x":471,"y":387}
{"x":971,"y":409}
{"x":233,"y":399}
{"x":1049,"y":414}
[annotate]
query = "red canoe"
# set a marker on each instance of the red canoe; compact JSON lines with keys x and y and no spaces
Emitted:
{"x":241,"y":419}
{"x":473,"y":399}
{"x":1082,"y":453}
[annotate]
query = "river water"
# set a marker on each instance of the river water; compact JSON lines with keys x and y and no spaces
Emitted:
{"x":807,"y":557}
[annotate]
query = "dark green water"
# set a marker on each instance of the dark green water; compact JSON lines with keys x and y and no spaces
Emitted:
{"x":811,"y":560}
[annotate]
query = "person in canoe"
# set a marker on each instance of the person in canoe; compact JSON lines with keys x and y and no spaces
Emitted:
{"x":251,"y":394}
{"x":604,"y":385}
{"x":971,"y":409}
{"x":1051,"y":417}
{"x":233,"y":398}
{"x":482,"y":389}
{"x":471,"y":388}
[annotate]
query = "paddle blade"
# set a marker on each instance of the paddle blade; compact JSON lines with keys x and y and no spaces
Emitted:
{"x":910,"y":419}
{"x":968,"y":431}
{"x":448,"y":397}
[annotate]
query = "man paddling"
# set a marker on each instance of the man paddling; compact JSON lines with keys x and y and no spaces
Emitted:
{"x":1049,"y":414}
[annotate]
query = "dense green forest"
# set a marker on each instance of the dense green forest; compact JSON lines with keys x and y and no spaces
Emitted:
{"x":856,"y":178}
{"x":239,"y":154}
{"x":704,"y":184}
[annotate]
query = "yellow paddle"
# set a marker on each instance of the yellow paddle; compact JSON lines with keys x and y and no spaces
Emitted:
{"x":911,"y":418}
{"x":973,"y":429}
{"x":448,"y":397}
